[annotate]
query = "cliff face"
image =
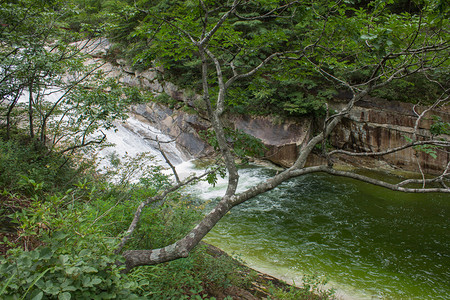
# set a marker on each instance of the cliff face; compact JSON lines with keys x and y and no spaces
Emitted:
{"x":186,"y":128}
{"x":282,"y":140}
{"x":377,"y":125}
{"x":373,"y":125}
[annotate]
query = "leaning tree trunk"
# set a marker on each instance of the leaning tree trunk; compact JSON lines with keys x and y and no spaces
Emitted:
{"x":8,"y":115}
{"x":30,"y":109}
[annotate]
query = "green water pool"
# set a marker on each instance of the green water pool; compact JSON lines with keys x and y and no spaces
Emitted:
{"x":368,"y":241}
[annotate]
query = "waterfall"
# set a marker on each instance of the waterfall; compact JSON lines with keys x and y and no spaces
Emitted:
{"x":130,"y":138}
{"x":135,"y":136}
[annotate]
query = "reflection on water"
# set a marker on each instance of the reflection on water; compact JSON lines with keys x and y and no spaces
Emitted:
{"x":367,"y":240}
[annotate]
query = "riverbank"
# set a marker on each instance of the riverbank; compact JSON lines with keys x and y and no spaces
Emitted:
{"x":265,"y":286}
{"x":268,"y":277}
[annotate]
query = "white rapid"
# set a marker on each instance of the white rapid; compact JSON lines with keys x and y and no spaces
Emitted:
{"x":134,"y":137}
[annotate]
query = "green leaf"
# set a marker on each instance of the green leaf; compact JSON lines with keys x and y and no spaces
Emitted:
{"x":38,"y":296}
{"x":96,"y":281}
{"x":89,"y":269}
{"x":369,"y":36}
{"x":87,"y":282}
{"x":45,"y":253}
{"x":85,"y":252}
{"x":73,"y":271}
{"x":64,"y":296}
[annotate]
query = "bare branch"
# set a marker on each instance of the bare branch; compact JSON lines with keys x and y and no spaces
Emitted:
{"x":158,"y":198}
{"x":177,"y":178}
{"x":328,"y":75}
{"x":425,"y":111}
{"x":394,"y":187}
{"x":204,"y":20}
{"x":222,"y":89}
{"x":84,"y":144}
{"x":204,"y":41}
{"x":393,"y":150}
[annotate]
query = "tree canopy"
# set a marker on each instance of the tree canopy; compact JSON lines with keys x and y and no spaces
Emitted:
{"x":50,"y":67}
{"x":343,"y":39}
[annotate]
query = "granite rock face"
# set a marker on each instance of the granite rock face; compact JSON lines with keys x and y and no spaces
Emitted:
{"x":377,"y":125}
{"x":282,"y":140}
{"x":373,"y":125}
{"x":185,"y":128}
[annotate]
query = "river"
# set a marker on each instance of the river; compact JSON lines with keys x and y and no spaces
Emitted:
{"x":369,"y":242}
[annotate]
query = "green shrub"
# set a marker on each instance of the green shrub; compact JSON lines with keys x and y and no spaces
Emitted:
{"x":79,"y":228}
{"x":189,"y":278}
{"x":21,"y":159}
{"x":57,"y":272}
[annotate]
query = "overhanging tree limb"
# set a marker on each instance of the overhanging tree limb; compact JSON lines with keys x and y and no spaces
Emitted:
{"x":393,"y":150}
{"x":382,"y":70}
{"x":158,"y":198}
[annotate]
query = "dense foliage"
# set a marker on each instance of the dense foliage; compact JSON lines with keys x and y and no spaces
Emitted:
{"x":78,"y":222}
{"x":50,"y":86}
{"x":346,"y":39}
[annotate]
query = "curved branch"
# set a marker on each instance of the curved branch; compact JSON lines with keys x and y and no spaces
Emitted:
{"x":394,"y":187}
{"x":84,"y":144}
{"x":181,"y":248}
{"x":219,"y":23}
{"x":154,"y":199}
{"x":393,"y":150}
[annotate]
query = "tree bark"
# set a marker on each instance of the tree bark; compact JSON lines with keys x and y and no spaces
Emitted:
{"x":30,"y":109}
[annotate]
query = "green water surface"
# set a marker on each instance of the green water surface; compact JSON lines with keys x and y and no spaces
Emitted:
{"x":368,"y":241}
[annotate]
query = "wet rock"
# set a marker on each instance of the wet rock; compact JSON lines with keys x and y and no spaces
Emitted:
{"x":185,"y":128}
{"x":373,"y":125}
